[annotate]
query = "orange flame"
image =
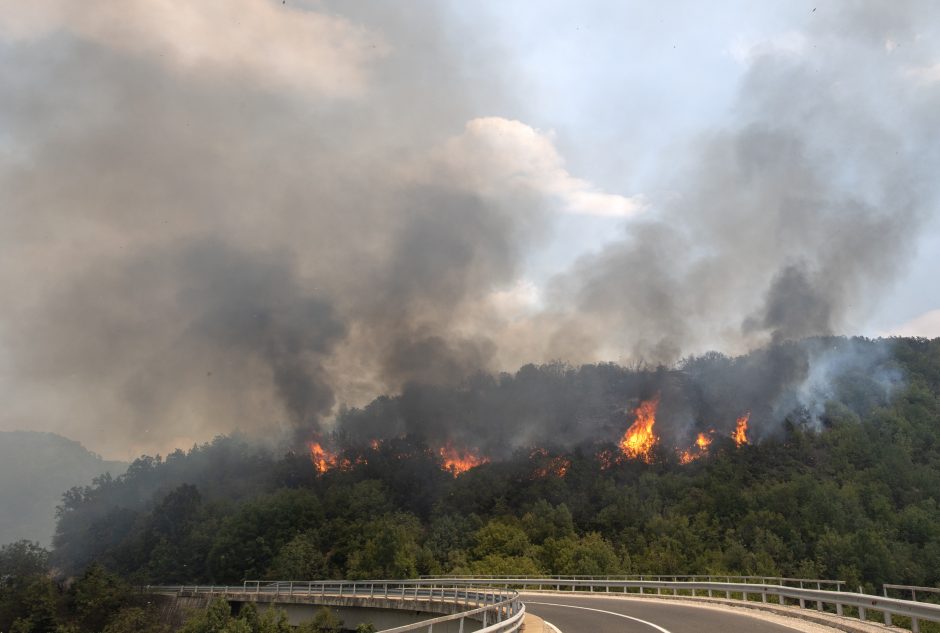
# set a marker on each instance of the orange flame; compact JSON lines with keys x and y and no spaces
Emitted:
{"x":323,"y":460}
{"x":458,"y":461}
{"x":557,"y":466}
{"x":639,"y":440}
{"x":740,"y":432}
{"x":607,"y":458}
{"x":699,"y":449}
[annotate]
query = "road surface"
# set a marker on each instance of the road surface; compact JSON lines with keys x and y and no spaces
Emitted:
{"x":580,"y":614}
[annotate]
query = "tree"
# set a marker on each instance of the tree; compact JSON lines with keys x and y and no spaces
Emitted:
{"x":325,"y":621}
{"x":213,"y":619}
{"x":299,"y":559}
{"x":22,"y":559}
{"x":135,"y":620}
{"x":97,"y":596}
{"x":273,"y":621}
{"x":390,"y":550}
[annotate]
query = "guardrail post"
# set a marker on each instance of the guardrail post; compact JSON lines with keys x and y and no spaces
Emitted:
{"x":887,"y":614}
{"x":915,"y":625}
{"x":861,"y":610}
{"x":460,"y":628}
{"x":819,"y":602}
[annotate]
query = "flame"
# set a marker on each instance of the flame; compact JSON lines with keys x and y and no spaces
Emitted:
{"x":323,"y":460}
{"x":375,"y":444}
{"x":557,"y":466}
{"x":607,"y":458}
{"x":740,"y":432}
{"x":699,"y":449}
{"x":560,"y":466}
{"x":639,"y":440}
{"x":458,"y":461}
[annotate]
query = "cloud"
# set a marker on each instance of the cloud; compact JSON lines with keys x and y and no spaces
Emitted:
{"x":747,"y":49}
{"x":926,"y":324}
{"x":924,"y":74}
{"x":500,"y":157}
{"x":271,"y":43}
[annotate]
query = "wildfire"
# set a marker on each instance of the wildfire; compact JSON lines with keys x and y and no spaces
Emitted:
{"x":458,"y":461}
{"x":740,"y":432}
{"x":700,"y":448}
{"x":323,"y":460}
{"x":557,"y":466}
{"x":639,"y":440}
{"x":607,"y":458}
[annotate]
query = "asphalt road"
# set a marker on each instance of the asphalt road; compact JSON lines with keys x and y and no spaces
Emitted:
{"x":579,"y":614}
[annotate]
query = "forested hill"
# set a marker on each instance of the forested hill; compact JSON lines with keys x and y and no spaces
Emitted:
{"x":35,"y":468}
{"x":850,"y":491}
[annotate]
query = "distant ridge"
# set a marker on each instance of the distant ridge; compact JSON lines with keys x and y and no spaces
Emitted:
{"x":35,"y":469}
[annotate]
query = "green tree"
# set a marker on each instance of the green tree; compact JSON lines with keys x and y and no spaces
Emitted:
{"x":273,"y":621}
{"x":299,"y":559}
{"x":97,"y":596}
{"x":390,"y":549}
{"x":500,"y":538}
{"x":213,"y":619}
{"x":136,"y":620}
{"x":22,"y":559}
{"x":325,"y":621}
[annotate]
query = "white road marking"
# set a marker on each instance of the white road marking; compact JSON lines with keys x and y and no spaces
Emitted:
{"x":551,"y":626}
{"x":619,"y":615}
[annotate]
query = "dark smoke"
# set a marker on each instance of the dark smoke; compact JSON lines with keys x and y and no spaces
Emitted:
{"x":564,"y":408}
{"x":191,"y":246}
{"x":794,"y":308}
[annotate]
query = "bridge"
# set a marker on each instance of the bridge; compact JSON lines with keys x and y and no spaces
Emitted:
{"x":574,"y":604}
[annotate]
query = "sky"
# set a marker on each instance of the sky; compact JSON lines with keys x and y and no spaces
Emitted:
{"x":251,"y":213}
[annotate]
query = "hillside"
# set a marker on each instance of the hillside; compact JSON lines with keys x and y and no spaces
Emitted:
{"x":35,"y":470}
{"x":851,"y":492}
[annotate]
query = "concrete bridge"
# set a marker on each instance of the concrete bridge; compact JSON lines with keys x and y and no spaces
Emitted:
{"x":572,"y":604}
{"x":390,"y":606}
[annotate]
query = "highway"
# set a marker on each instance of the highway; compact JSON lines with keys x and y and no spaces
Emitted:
{"x":580,"y":614}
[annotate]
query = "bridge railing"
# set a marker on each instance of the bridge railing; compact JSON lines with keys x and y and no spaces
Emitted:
{"x":841,"y":602}
{"x":498,"y":610}
{"x":930,"y":593}
{"x":818,"y":583}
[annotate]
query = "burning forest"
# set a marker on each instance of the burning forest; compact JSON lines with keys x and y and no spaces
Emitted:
{"x":618,"y":415}
{"x":448,"y":306}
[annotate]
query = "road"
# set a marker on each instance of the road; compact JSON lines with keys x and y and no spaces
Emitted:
{"x":579,"y":614}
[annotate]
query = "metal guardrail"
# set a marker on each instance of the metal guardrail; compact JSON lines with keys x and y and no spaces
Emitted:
{"x":499,"y":610}
{"x":839,"y":600}
{"x":819,"y":583}
{"x":912,"y":588}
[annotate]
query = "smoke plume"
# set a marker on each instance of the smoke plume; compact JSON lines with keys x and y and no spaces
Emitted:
{"x":287,"y":209}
